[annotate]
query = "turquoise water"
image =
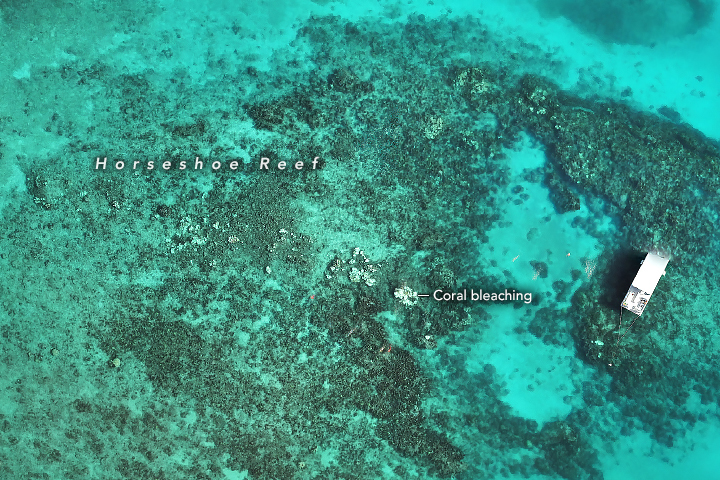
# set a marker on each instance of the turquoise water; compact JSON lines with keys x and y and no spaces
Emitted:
{"x":253,"y":241}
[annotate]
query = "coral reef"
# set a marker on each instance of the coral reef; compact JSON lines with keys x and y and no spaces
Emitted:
{"x":267,"y":324}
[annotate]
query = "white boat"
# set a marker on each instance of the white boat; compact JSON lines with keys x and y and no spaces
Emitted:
{"x":643,"y":286}
{"x":647,"y":278}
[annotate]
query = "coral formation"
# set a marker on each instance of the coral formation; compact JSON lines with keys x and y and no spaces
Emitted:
{"x":269,"y":324}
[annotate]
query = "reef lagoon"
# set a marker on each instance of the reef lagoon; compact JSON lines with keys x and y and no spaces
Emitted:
{"x":344,"y":240}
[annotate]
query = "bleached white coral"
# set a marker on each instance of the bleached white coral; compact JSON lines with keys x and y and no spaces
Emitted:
{"x":406,"y":295}
{"x":355,"y":275}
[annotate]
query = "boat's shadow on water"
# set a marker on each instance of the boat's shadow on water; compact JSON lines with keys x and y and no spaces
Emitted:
{"x":619,"y":276}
